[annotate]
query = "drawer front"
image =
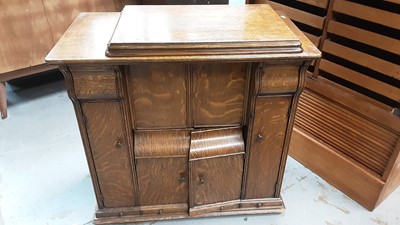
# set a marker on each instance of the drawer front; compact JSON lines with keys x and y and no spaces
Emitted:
{"x":158,"y":95}
{"x":216,"y":179}
{"x":266,"y":145}
{"x":219,"y":94}
{"x":216,"y":167}
{"x":279,"y":79}
{"x":162,"y":166}
{"x":110,"y":152}
{"x":94,"y":84}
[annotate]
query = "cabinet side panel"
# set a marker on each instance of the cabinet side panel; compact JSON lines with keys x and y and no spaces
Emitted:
{"x":219,"y":93}
{"x":158,"y":95}
{"x":269,"y":129}
{"x":108,"y":143}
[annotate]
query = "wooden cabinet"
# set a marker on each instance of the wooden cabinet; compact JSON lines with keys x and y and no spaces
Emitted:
{"x":348,"y":115}
{"x":178,"y":122}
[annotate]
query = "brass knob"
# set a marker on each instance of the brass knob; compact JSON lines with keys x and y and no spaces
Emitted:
{"x":182,"y":178}
{"x":259,"y":137}
{"x":222,"y":208}
{"x":118,"y":144}
{"x":259,"y":204}
{"x":201,"y":180}
{"x":160,"y":211}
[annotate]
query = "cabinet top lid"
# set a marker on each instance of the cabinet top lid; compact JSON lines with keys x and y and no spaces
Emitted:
{"x":201,"y":30}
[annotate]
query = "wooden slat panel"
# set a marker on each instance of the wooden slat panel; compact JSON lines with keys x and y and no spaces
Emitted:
{"x":319,"y":3}
{"x":299,"y":15}
{"x":367,"y":13}
{"x":363,"y":59}
{"x":361,"y":79}
{"x":335,"y":168}
{"x":393,"y":1}
{"x":359,"y":103}
{"x":333,"y":132}
{"x":362,"y":140}
{"x":363,"y":36}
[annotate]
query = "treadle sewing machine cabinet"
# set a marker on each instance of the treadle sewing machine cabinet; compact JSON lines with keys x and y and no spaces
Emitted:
{"x":184,"y":111}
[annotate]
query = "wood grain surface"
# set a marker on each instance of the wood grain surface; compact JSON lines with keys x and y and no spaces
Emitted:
{"x":281,"y":79}
{"x":23,"y":21}
{"x":31,"y":28}
{"x":219,"y":93}
{"x":267,"y":139}
{"x":186,"y":31}
{"x":206,"y":177}
{"x":107,"y":139}
{"x":94,"y":83}
{"x":153,"y":144}
{"x":76,"y":46}
{"x":162,"y":180}
{"x":158,"y":95}
{"x":216,"y":143}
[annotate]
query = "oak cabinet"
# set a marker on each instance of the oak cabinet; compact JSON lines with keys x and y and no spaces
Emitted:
{"x":178,"y":122}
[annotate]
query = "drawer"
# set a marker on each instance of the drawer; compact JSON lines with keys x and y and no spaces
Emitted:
{"x":279,"y":79}
{"x":216,"y":167}
{"x":94,"y":84}
{"x":162,"y":166}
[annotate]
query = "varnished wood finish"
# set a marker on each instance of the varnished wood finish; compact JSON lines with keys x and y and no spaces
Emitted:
{"x":31,"y":28}
{"x":104,"y":125}
{"x":215,"y":155}
{"x":3,"y":100}
{"x":267,"y":140}
{"x":99,"y":83}
{"x":219,"y":94}
{"x":154,"y":103}
{"x":162,"y":167}
{"x":279,"y":79}
{"x":185,"y":34}
{"x":175,"y":136}
{"x":76,"y":46}
{"x":346,"y":129}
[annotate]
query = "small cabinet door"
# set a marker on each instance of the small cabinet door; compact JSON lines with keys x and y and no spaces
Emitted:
{"x":162,"y":167}
{"x":266,"y":145}
{"x":216,"y":167}
{"x":109,"y":149}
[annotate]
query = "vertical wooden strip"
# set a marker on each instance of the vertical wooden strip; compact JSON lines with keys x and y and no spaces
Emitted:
{"x":3,"y":100}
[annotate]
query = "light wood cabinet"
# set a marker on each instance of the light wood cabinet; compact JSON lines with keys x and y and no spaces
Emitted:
{"x":347,"y":129}
{"x":181,"y":122}
{"x":29,"y":29}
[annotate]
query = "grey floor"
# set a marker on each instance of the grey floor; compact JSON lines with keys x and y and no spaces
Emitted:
{"x":44,"y":178}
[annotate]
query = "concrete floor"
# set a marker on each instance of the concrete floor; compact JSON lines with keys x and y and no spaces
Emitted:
{"x":44,"y":178}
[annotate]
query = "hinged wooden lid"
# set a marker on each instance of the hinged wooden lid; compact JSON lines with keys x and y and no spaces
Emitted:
{"x":201,"y":30}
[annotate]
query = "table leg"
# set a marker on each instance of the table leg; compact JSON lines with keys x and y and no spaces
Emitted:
{"x":3,"y":100}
